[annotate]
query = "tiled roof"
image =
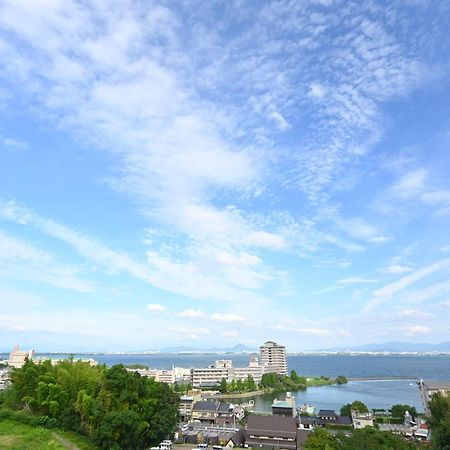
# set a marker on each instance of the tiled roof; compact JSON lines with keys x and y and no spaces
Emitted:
{"x":281,"y":425}
{"x":206,"y":405}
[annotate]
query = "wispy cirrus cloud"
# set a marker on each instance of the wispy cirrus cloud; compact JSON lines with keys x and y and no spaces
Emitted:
{"x":387,"y":292}
{"x":23,"y":261}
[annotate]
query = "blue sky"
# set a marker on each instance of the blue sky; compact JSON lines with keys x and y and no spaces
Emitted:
{"x":223,"y":172}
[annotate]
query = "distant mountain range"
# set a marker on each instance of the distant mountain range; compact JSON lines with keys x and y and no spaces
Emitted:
{"x":239,"y":348}
{"x":394,"y":346}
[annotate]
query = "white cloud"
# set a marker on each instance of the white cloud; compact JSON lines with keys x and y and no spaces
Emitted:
{"x":86,"y":246}
{"x":411,"y":184}
{"x":344,"y":333}
{"x":227,"y":318}
{"x":382,"y":295}
{"x":396,"y":269}
{"x":14,"y":144}
{"x":23,"y":261}
{"x":445,"y":303}
{"x":229,"y":334}
{"x":313,"y":331}
{"x":316,"y":90}
{"x":191,"y":333}
{"x":359,"y":228}
{"x":156,"y":308}
{"x":411,"y":312}
{"x":414,"y":330}
{"x":357,"y":280}
{"x":279,"y":120}
{"x":192,"y":314}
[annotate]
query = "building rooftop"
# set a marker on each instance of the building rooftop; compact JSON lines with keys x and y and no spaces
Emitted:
{"x":436,"y":384}
{"x":206,"y":405}
{"x":278,"y":424}
{"x":327,"y":413}
{"x":224,"y":407}
{"x":281,"y":404}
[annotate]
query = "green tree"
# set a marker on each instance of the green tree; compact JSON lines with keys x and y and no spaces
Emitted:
{"x":223,"y":387}
{"x":116,"y":408}
{"x":321,"y":440}
{"x":251,"y":385}
{"x":346,"y":410}
{"x":400,"y":410}
{"x":269,"y":380}
{"x":341,"y":380}
{"x":372,"y":439}
{"x":439,"y":421}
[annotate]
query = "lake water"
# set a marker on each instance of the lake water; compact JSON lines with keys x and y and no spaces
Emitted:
{"x":376,"y":394}
{"x":361,"y":366}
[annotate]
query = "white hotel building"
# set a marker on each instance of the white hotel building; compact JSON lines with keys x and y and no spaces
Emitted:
{"x":272,"y":360}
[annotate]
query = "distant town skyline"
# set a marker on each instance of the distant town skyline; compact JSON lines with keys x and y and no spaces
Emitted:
{"x":223,"y":172}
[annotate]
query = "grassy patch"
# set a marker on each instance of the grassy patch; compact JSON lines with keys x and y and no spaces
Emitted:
{"x":21,"y":436}
{"x":18,"y":436}
{"x":316,"y":381}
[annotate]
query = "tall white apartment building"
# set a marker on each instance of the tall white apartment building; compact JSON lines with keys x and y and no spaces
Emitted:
{"x":273,"y":358}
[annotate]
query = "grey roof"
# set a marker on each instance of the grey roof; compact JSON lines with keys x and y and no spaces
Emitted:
{"x":343,"y":420}
{"x":238,"y":438}
{"x":281,"y":425}
{"x":327,"y":413}
{"x":436,"y":384}
{"x":206,"y":405}
{"x":224,"y":407}
{"x":307,"y":420}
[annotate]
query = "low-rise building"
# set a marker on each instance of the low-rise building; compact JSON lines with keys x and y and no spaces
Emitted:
{"x":187,"y":405}
{"x":362,"y":420}
{"x":237,"y":439}
{"x":169,"y":376}
{"x":429,"y":388}
{"x":285,"y":407}
{"x":325,"y":418}
{"x":421,"y":433}
{"x":211,"y":376}
{"x":271,"y":432}
{"x":254,"y":369}
{"x":223,"y":369}
{"x":214,"y":412}
{"x":204,"y":411}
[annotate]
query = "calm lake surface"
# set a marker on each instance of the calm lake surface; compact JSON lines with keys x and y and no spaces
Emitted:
{"x":362,"y":366}
{"x":376,"y":394}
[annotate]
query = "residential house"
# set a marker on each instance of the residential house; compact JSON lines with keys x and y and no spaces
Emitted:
{"x":213,"y":412}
